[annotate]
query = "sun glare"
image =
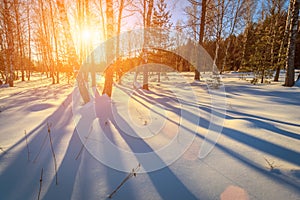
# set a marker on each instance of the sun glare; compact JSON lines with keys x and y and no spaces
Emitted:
{"x":86,"y":35}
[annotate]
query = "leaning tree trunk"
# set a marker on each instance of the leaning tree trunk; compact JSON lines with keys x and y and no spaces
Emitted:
{"x":293,"y":30}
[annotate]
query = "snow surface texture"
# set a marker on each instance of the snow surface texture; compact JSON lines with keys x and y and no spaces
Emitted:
{"x":257,"y":155}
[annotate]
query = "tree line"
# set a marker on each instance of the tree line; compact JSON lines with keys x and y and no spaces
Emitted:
{"x":50,"y":36}
{"x":247,"y":35}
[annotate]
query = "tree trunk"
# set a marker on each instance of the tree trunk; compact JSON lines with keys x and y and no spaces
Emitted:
{"x":293,"y":30}
{"x":201,"y":37}
{"x":72,"y":51}
{"x":147,"y":24}
{"x":20,"y":47}
{"x":220,"y":17}
{"x":262,"y":75}
{"x":10,"y":45}
{"x":109,"y":47}
{"x":277,"y":73}
{"x":29,"y":42}
{"x":280,"y":51}
{"x":121,"y":7}
{"x":232,"y":28}
{"x":55,"y":45}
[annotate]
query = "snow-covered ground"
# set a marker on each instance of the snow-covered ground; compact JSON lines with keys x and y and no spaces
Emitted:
{"x":257,"y":155}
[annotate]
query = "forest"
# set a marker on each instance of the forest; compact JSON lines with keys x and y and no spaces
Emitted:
{"x":149,"y":99}
{"x":56,"y":37}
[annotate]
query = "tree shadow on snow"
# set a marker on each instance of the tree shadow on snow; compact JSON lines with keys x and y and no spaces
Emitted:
{"x":20,"y":178}
{"x":249,"y":140}
{"x":166,"y":183}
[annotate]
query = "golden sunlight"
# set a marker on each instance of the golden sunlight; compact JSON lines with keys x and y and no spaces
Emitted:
{"x":86,"y":36}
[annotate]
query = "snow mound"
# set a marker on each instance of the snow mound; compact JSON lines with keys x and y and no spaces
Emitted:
{"x":297,"y":84}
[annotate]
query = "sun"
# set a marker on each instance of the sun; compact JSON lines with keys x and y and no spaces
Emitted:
{"x":86,"y":35}
{"x":86,"y":39}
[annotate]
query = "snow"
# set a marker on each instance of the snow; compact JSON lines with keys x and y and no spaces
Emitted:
{"x":256,"y":155}
{"x":297,"y":84}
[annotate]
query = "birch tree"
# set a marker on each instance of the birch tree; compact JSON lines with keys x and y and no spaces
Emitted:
{"x":8,"y":23}
{"x":236,"y":11}
{"x":109,"y":33}
{"x":72,"y":50}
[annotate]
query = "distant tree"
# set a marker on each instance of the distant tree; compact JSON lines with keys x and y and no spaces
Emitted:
{"x":293,"y":31}
{"x":260,"y":60}
{"x":202,"y":30}
{"x":236,"y":10}
{"x":161,"y":21}
{"x":146,"y":12}
{"x":217,"y":23}
{"x":198,"y":28}
{"x":263,"y":40}
{"x":247,"y":35}
{"x":234,"y":52}
{"x":276,"y":33}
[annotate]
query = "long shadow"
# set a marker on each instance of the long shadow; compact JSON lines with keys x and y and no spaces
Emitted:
{"x":259,"y":121}
{"x":67,"y":172}
{"x":262,"y":118}
{"x":163,"y":96}
{"x":264,"y":146}
{"x":113,"y":177}
{"x":22,"y":175}
{"x":284,"y":97}
{"x":252,"y":141}
{"x":165,"y":181}
{"x":167,"y":101}
{"x":270,"y":127}
{"x":256,"y":143}
{"x":167,"y":184}
{"x":274,"y":176}
{"x":55,"y":115}
{"x":41,"y":93}
{"x":260,"y":144}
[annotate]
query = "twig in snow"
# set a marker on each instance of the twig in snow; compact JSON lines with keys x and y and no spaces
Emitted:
{"x":1,"y":148}
{"x":28,"y":153}
{"x":271,"y":164}
{"x":131,"y":174}
{"x":83,"y":144}
{"x":53,"y":153}
{"x":41,"y":182}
